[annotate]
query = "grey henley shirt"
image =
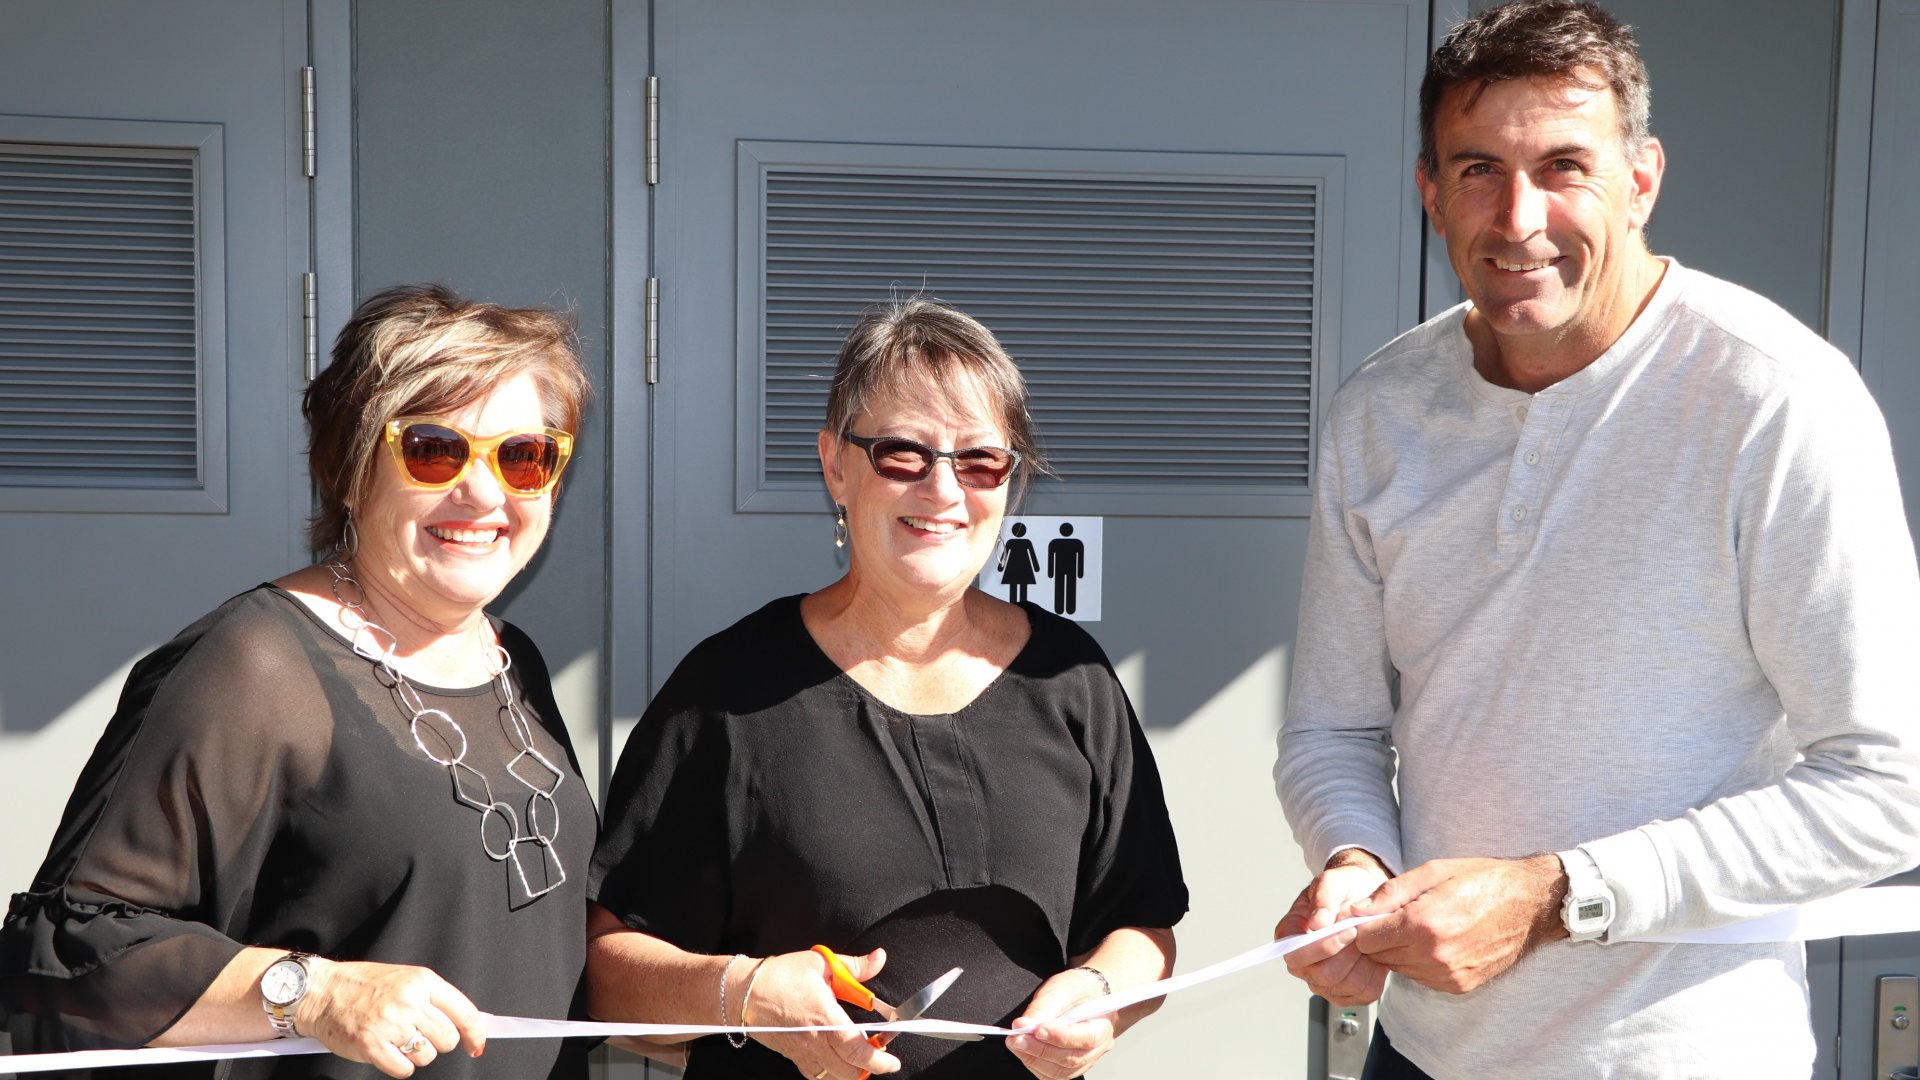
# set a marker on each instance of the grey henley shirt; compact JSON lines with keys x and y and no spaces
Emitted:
{"x":1663,"y":611}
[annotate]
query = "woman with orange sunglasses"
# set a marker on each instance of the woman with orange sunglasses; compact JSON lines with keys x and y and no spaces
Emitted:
{"x":343,"y":804}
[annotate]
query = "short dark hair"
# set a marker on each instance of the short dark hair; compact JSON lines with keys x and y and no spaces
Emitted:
{"x":899,"y":342}
{"x":1526,"y":38}
{"x":422,"y":349}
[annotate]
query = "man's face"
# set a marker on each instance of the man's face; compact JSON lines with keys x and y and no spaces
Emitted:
{"x":1539,"y":205}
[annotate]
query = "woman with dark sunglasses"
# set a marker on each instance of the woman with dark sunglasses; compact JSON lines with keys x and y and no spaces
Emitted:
{"x":343,"y":804}
{"x":904,"y":769}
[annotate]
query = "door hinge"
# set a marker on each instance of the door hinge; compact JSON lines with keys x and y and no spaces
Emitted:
{"x":653,"y":330}
{"x":653,"y":130}
{"x":310,"y":323}
{"x":309,"y":155}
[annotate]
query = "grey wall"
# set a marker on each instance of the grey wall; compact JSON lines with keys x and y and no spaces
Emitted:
{"x":481,"y":161}
{"x":1743,"y":102}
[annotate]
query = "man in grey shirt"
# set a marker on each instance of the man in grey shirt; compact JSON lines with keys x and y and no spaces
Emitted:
{"x":1609,"y":597}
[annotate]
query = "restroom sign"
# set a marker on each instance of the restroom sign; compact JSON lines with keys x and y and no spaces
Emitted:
{"x":1053,"y":561}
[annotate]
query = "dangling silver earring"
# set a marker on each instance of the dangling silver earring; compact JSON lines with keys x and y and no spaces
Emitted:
{"x":349,"y":539}
{"x":840,"y":527}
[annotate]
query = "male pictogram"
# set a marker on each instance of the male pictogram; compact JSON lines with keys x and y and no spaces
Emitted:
{"x":1066,"y":565}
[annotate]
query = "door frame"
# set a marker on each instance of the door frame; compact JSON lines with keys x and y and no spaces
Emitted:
{"x":1858,"y":38}
{"x":330,"y":225}
{"x":627,"y":673}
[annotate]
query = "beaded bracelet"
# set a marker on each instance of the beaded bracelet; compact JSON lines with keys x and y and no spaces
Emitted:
{"x":746,"y":999}
{"x":724,"y":972}
{"x":1105,"y":986}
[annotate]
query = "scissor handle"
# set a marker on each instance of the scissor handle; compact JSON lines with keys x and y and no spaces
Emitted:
{"x":845,"y":986}
{"x":878,"y":1041}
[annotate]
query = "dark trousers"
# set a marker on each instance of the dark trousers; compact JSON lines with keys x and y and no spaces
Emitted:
{"x":1386,"y":1063}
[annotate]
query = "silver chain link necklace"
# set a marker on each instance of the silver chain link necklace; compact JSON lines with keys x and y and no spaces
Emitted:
{"x":376,"y":643}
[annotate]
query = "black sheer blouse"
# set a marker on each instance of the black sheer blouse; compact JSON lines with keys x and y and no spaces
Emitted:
{"x":259,"y":785}
{"x":767,"y":802}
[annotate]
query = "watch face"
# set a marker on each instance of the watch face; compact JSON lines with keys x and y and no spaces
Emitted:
{"x":284,"y":982}
{"x":1588,"y":914}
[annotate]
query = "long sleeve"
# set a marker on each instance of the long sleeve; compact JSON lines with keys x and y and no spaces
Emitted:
{"x":1336,"y":765}
{"x":160,"y":846}
{"x":1832,"y":600}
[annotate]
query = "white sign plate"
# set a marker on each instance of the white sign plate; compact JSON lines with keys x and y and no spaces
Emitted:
{"x":1053,"y":561}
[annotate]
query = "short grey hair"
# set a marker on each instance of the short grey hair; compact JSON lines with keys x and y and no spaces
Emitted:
{"x":899,"y":344}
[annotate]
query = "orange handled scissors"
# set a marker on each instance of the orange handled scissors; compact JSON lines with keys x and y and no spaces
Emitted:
{"x":854,"y":992}
{"x":851,"y":990}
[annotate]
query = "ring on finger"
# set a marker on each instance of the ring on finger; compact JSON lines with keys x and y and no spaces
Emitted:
{"x":412,"y":1046}
{"x":822,"y":1074}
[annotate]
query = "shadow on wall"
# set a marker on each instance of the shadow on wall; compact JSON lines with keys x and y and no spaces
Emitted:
{"x":75,"y":632}
{"x":1199,"y":600}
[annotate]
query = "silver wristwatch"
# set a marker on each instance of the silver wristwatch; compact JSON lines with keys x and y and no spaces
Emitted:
{"x":281,"y":989}
{"x":1587,"y":911}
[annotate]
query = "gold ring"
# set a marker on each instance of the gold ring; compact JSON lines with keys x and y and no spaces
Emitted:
{"x":822,"y":1074}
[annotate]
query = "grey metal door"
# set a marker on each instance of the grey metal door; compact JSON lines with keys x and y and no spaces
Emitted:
{"x":759,"y":102}
{"x":1849,"y":969}
{"x":151,"y":252}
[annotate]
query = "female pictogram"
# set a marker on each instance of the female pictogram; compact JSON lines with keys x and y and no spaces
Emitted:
{"x":1017,"y":564}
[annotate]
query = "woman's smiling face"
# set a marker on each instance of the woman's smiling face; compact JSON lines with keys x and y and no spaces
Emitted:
{"x":925,"y":538}
{"x":449,"y":552}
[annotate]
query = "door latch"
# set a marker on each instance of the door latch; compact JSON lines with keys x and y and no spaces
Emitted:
{"x":1349,"y":1030}
{"x":1896,"y":1028}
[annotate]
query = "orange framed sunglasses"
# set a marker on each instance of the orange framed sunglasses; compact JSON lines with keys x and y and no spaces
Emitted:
{"x":434,"y":454}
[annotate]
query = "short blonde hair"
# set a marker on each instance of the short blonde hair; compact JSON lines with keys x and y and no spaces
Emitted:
{"x":421,"y":349}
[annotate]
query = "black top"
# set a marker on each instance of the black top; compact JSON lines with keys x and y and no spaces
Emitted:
{"x":767,"y":802}
{"x":259,"y":785}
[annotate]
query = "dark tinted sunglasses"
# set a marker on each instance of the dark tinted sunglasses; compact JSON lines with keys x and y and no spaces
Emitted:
{"x":434,"y":454}
{"x":909,"y":462}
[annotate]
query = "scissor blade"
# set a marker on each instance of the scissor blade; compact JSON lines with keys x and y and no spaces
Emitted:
{"x":922,"y":999}
{"x":911,"y":1008}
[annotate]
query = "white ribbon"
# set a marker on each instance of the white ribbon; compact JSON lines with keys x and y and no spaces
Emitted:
{"x":1893,"y":909}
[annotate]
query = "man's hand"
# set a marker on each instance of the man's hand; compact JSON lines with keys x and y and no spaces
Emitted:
{"x":1333,"y":967}
{"x":1453,"y":924}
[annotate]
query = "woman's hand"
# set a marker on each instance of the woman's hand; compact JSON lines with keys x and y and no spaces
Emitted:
{"x":1056,"y":1050}
{"x":394,"y":1017}
{"x":1131,"y":956}
{"x":792,"y":990}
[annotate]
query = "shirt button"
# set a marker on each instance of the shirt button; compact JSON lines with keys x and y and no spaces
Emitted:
{"x":1519,"y":513}
{"x":1533,"y":457}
